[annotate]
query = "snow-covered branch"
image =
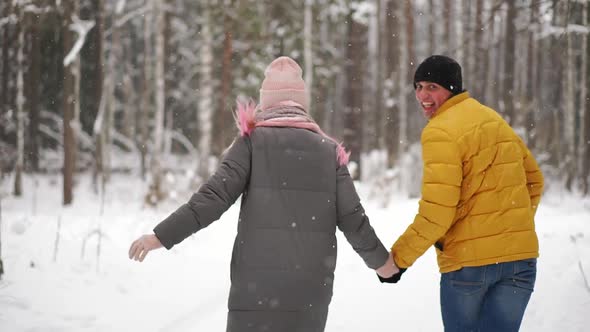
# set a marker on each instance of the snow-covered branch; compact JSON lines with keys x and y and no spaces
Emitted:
{"x":137,"y":12}
{"x":10,"y":19}
{"x":57,"y":122}
{"x":577,"y":28}
{"x":28,"y":8}
{"x":184,"y":141}
{"x":141,"y":11}
{"x":31,"y":8}
{"x":120,"y":7}
{"x":558,"y":31}
{"x":56,"y":136}
{"x":81,"y":27}
{"x":123,"y":140}
{"x":97,"y":127}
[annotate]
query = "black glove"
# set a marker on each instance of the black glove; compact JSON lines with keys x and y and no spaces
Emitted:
{"x":394,"y":278}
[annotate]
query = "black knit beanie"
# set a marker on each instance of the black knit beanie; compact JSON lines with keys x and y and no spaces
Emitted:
{"x":442,"y":70}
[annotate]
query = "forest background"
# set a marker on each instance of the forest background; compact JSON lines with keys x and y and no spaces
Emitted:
{"x":148,"y":87}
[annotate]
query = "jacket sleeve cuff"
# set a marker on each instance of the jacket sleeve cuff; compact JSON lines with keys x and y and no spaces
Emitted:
{"x":381,"y":256}
{"x":161,"y":235}
{"x":177,"y":227}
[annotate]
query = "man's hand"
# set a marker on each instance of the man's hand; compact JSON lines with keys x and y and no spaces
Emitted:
{"x":140,"y":247}
{"x":394,"y":278}
{"x":388,"y":269}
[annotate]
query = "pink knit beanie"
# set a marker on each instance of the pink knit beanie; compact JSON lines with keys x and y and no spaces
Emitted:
{"x":283,"y":84}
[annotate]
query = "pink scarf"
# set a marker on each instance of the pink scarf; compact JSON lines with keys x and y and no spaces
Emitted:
{"x":249,"y":117}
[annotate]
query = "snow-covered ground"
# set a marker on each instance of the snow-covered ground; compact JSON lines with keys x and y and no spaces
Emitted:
{"x":91,"y":285}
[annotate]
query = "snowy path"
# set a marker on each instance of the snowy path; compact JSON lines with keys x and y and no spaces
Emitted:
{"x":186,"y":289}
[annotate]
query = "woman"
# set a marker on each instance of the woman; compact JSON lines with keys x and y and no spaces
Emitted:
{"x":296,"y":190}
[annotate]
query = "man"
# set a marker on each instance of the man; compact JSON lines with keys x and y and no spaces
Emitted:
{"x":480,"y":191}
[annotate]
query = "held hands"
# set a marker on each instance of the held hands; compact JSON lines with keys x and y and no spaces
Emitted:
{"x":389,"y":272}
{"x":140,"y":247}
{"x":388,"y":269}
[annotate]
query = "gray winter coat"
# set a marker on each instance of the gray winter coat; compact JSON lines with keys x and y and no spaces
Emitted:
{"x":294,"y":195}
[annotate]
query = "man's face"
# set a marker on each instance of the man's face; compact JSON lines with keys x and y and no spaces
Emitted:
{"x":431,"y":96}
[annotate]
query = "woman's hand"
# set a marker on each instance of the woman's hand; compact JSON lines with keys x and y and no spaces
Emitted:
{"x":388,"y":269}
{"x":140,"y":247}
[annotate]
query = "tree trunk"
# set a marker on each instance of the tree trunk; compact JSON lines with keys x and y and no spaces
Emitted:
{"x":509,"y":58}
{"x":568,"y":79}
{"x":129,"y":128}
{"x":488,"y":67}
{"x":228,"y":132}
{"x":224,"y":133}
{"x":159,"y":77}
{"x":585,"y":108}
{"x":448,"y":25}
{"x":327,"y":99}
{"x":34,"y":77}
{"x":69,"y":103}
{"x":555,"y":101}
{"x":76,"y":66}
{"x":402,"y":93}
{"x":457,"y":35}
{"x":156,"y":193}
{"x":111,"y":77}
{"x":308,"y":53}
{"x":205,"y":92}
{"x":406,"y":62}
{"x":98,"y":60}
{"x":467,"y":43}
{"x":531,"y":76}
{"x":1,"y":264}
{"x":380,"y":76}
{"x":129,"y":106}
{"x":146,"y":91}
{"x":371,"y":105}
{"x":540,"y":129}
{"x":497,"y":91}
{"x":169,"y":128}
{"x":432,"y":27}
{"x":168,"y":83}
{"x":480,"y":53}
{"x":581,"y":143}
{"x":20,"y":103}
{"x":391,"y":124}
{"x":353,"y":117}
{"x":4,"y":101}
{"x":571,"y":111}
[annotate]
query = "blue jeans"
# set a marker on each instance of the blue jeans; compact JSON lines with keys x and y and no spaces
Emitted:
{"x":487,"y":298}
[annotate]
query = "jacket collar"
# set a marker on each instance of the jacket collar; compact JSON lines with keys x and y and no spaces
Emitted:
{"x":456,"y":99}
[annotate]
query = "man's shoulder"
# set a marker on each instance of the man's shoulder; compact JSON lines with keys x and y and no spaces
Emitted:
{"x":462,"y":118}
{"x":472,"y":111}
{"x":469,"y":104}
{"x":437,"y":128}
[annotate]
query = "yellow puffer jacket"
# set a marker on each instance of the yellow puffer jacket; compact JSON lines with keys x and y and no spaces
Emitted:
{"x":480,"y":191}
